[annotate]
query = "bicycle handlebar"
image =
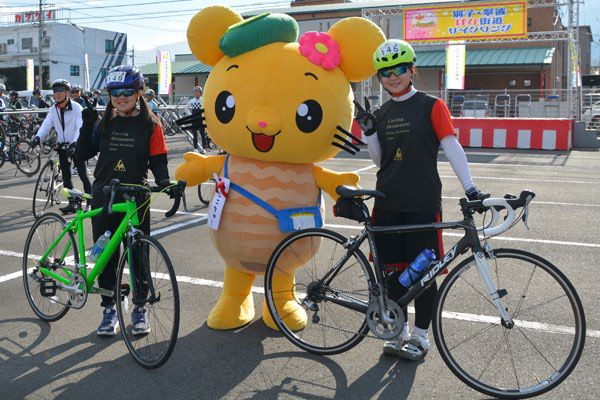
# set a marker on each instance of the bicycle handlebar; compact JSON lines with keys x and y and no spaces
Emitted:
{"x":509,"y":202}
{"x":110,"y":191}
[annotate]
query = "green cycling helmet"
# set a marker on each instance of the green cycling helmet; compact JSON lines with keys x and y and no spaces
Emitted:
{"x":393,"y":52}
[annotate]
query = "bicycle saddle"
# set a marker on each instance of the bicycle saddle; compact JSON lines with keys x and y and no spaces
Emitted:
{"x":350,"y":192}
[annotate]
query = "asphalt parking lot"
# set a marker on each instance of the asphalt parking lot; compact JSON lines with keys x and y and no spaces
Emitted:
{"x":66,"y":359}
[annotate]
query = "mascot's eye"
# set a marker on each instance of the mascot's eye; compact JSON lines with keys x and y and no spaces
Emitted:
{"x":225,"y":107}
{"x":309,"y":116}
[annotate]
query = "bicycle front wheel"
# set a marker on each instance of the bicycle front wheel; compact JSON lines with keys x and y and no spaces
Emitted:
{"x":61,"y":260}
{"x":151,"y":289}
{"x":311,"y":273}
{"x":46,"y":190}
{"x":533,"y":356}
{"x":205,"y":190}
{"x":27,"y":158}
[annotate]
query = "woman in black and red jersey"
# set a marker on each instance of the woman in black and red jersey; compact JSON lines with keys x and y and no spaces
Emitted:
{"x":403,"y":138}
{"x":129,"y":139}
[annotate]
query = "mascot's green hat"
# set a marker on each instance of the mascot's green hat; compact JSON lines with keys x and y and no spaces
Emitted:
{"x":258,"y":31}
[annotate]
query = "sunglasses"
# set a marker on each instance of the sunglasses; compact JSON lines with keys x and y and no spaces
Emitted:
{"x":58,"y":90}
{"x":122,"y":92}
{"x":397,"y":70}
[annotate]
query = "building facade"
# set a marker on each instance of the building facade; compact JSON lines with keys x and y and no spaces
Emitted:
{"x":63,"y":49}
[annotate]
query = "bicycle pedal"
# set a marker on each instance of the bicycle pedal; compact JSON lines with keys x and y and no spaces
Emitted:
{"x":48,"y":287}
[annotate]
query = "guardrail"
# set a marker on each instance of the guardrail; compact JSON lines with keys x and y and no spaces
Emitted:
{"x":168,"y":114}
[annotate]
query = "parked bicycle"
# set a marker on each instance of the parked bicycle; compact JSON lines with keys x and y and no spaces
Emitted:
{"x":508,"y":323}
{"x":56,"y":277}
{"x":19,"y":152}
{"x":48,"y":188}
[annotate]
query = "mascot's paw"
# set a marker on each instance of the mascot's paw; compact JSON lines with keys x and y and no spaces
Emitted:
{"x":231,"y":312}
{"x":348,"y":178}
{"x":295,"y":316}
{"x":192,"y":170}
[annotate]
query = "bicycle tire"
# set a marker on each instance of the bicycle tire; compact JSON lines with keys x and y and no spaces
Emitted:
{"x":44,"y":185}
{"x":329,"y":245}
{"x":495,"y":383}
{"x":26,"y":157}
{"x":205,"y":190}
{"x":33,"y":250}
{"x":150,"y":355}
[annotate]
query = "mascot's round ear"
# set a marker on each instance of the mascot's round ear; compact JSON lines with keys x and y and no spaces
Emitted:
{"x":358,"y":39}
{"x":205,"y":31}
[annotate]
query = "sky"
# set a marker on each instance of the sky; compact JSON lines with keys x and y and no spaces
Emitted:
{"x":153,"y":23}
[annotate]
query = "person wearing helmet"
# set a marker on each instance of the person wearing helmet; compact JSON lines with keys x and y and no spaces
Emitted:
{"x":37,"y":100}
{"x":129,"y":140}
{"x":151,"y":100}
{"x":65,"y":118}
{"x":97,"y":97}
{"x":194,"y":106}
{"x":3,"y":98}
{"x":403,"y":138}
{"x":76,"y":91}
{"x":13,"y":100}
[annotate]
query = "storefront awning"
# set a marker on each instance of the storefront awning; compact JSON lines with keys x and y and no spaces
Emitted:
{"x":178,"y":68}
{"x":490,"y":57}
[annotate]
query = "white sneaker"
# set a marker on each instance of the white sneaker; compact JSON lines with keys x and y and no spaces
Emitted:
{"x":393,"y":347}
{"x":415,"y":349}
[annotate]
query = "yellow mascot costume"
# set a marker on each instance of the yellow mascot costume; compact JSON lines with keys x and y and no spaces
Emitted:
{"x":276,"y":106}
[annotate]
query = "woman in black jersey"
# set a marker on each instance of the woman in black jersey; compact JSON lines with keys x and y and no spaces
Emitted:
{"x":129,"y":140}
{"x":403,"y":137}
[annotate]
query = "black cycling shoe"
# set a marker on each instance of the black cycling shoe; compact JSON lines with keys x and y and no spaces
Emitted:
{"x":68,"y":209}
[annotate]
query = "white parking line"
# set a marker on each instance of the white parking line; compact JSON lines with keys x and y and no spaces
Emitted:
{"x":540,"y":326}
{"x":581,"y":244}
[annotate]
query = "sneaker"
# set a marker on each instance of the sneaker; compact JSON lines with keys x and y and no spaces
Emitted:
{"x":139,"y":321}
{"x":109,"y":324}
{"x":392,"y":348}
{"x":68,"y":209}
{"x":416,"y":348}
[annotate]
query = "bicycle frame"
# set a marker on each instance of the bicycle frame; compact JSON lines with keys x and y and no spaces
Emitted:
{"x":76,"y":226}
{"x":469,"y":241}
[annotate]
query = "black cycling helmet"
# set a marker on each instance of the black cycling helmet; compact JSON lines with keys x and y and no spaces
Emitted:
{"x":13,"y":93}
{"x":36,"y":92}
{"x":76,"y":88}
{"x":61,"y":83}
{"x":124,"y":77}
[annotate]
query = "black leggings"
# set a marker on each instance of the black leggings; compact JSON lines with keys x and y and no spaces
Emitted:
{"x":195,"y":137}
{"x":100,"y":224}
{"x":65,"y":169}
{"x":423,"y":304}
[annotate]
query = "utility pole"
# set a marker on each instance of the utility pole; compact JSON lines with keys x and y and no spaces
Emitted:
{"x":132,"y":55}
{"x":40,"y":34}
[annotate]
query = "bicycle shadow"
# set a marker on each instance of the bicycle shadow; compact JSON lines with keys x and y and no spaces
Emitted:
{"x":15,"y":220}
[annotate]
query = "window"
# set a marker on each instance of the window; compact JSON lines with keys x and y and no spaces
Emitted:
{"x":10,"y":41}
{"x":74,"y":70}
{"x":527,"y":83}
{"x":529,"y":22}
{"x":26,"y":43}
{"x":109,"y":46}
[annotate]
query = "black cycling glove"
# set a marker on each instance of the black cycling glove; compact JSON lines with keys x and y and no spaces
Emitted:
{"x":365,"y":119}
{"x":475,"y":194}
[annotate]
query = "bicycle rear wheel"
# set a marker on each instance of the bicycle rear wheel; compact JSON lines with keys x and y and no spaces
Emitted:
{"x":43,"y":233}
{"x":532,"y":357}
{"x":27,"y":157}
{"x":155,"y":289}
{"x":205,"y":190}
{"x":306,"y":258}
{"x":47,"y":190}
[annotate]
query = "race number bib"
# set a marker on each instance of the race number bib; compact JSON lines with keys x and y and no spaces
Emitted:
{"x":389,"y":49}
{"x":218,"y":201}
{"x":117,"y":76}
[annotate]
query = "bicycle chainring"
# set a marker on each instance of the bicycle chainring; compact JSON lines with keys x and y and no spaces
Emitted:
{"x":378,"y":327}
{"x":77,"y":300}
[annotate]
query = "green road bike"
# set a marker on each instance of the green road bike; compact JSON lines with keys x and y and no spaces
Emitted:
{"x":56,"y":276}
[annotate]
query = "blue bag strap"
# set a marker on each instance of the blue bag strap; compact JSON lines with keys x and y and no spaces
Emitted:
{"x":254,"y":198}
{"x":225,"y":169}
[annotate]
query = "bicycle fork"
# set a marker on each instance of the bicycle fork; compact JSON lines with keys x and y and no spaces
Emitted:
{"x":495,"y":294}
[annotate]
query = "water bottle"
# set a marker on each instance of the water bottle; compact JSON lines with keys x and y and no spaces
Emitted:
{"x":415,"y":270}
{"x":99,"y":246}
